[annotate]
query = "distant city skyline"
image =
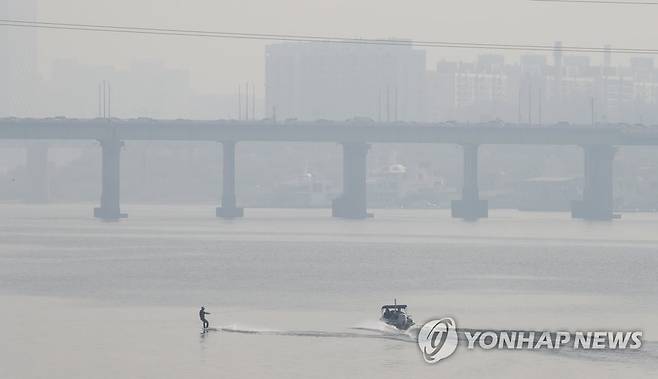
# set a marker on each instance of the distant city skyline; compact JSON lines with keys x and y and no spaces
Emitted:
{"x":450,"y":21}
{"x":342,"y":81}
{"x":311,"y":81}
{"x":19,"y":67}
{"x":540,"y":89}
{"x":218,"y":67}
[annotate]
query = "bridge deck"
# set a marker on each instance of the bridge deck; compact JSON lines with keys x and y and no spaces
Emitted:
{"x":349,"y":131}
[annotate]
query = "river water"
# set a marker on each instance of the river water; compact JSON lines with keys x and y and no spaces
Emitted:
{"x":294,"y":293}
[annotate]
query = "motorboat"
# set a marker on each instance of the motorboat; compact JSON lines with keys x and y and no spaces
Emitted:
{"x":396,"y":315}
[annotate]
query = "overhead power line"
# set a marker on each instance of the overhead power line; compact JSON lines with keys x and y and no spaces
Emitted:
{"x":311,"y":38}
{"x":599,"y":2}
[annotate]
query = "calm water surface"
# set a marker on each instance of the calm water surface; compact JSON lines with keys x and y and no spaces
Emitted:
{"x":81,"y":298}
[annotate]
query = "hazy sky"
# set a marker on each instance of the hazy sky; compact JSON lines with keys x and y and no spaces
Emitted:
{"x":218,"y":65}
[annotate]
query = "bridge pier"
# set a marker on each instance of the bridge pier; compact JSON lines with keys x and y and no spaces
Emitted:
{"x":229,"y":208}
{"x":470,"y":207}
{"x":352,"y":203}
{"x":37,"y":173}
{"x":597,"y":203}
{"x":110,"y":208}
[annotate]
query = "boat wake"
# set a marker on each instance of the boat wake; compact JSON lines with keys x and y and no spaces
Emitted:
{"x":363,"y":331}
{"x":382,"y":331}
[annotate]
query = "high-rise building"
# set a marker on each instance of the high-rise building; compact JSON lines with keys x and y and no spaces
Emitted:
{"x":4,"y":62}
{"x":472,"y":91}
{"x":571,"y":89}
{"x":18,"y":67}
{"x":313,"y":81}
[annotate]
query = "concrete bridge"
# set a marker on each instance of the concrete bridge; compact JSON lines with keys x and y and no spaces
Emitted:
{"x":355,"y":136}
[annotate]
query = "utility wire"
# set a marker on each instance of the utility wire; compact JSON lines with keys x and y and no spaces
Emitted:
{"x":302,"y":38}
{"x":598,"y":2}
{"x":311,"y":38}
